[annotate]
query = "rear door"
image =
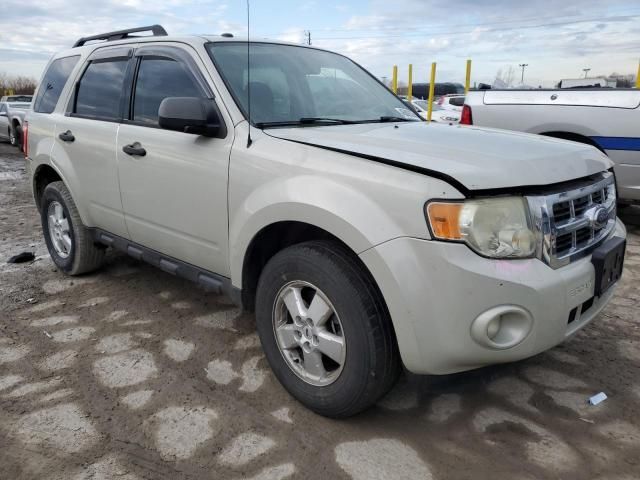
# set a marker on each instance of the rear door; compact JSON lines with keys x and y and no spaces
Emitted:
{"x":175,"y":195}
{"x":85,"y":137}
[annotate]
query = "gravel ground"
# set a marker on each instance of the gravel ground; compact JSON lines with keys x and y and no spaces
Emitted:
{"x":131,"y":373}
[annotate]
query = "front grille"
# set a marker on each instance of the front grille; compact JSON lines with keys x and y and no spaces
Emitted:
{"x":572,"y":223}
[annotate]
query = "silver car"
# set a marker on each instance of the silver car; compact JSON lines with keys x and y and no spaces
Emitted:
{"x":11,"y":118}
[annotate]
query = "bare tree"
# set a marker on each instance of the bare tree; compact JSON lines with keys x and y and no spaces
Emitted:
{"x":16,"y":84}
{"x":505,"y":77}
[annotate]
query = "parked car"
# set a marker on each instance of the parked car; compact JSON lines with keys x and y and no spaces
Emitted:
{"x":439,"y":113}
{"x":362,"y":238}
{"x":11,"y":117}
{"x":605,"y":119}
{"x":17,"y":98}
{"x":419,"y":106}
{"x":451,"y":102}
{"x":421,"y":90}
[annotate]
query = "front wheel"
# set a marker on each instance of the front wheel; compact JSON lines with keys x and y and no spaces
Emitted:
{"x":325,"y":329}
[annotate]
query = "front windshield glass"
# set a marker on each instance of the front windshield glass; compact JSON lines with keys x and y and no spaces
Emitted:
{"x":293,"y":85}
{"x":421,"y":103}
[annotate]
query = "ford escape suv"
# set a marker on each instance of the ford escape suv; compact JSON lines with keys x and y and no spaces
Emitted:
{"x":362,"y":237}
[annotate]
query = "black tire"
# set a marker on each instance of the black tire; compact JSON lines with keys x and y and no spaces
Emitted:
{"x":84,"y":255}
{"x":15,"y":136}
{"x":372,"y":363}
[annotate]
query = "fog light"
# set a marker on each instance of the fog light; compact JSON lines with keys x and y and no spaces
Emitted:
{"x":502,"y":327}
{"x":493,"y":327}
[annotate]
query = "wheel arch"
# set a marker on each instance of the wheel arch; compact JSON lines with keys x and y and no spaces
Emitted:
{"x":43,"y":175}
{"x":574,"y":137}
{"x":275,"y":237}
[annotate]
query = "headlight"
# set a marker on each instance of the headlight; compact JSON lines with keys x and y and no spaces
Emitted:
{"x":496,"y":228}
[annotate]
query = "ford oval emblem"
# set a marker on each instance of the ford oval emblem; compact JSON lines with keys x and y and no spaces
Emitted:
{"x":600,"y":218}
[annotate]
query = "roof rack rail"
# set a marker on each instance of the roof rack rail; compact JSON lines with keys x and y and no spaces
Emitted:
{"x":157,"y":30}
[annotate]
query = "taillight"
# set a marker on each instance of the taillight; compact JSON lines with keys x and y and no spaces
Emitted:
{"x":466,"y":118}
{"x":25,"y":138}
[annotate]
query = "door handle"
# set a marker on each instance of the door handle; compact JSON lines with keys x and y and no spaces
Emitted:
{"x":134,"y":149}
{"x":67,"y":136}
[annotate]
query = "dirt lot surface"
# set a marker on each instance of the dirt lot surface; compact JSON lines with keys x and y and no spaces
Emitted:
{"x":131,"y":373}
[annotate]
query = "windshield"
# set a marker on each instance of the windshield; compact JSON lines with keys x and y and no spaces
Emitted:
{"x":293,"y":85}
{"x":421,"y":103}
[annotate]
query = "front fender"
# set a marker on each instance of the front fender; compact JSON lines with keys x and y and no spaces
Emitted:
{"x":350,"y":215}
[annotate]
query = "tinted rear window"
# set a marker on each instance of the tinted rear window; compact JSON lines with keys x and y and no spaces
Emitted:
{"x":53,"y":83}
{"x":457,"y":101}
{"x":100,"y":90}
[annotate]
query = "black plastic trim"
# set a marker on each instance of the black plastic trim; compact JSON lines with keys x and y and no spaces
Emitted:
{"x":112,"y":53}
{"x":209,"y":281}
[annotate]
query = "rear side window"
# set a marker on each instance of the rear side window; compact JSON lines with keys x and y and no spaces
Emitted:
{"x":53,"y":83}
{"x":99,"y":93}
{"x":457,"y":101}
{"x":159,"y":78}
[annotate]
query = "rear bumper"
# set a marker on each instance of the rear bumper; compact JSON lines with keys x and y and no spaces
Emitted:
{"x":439,"y":294}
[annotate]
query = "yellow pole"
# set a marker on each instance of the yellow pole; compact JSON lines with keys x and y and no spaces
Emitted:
{"x":467,"y":82}
{"x":432,"y":87}
{"x":394,"y":81}
{"x":410,"y":86}
{"x":638,"y":77}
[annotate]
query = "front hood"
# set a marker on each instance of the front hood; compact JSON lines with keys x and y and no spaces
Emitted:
{"x":477,"y":158}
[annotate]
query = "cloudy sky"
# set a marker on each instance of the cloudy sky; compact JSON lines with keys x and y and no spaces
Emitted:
{"x":556,"y":38}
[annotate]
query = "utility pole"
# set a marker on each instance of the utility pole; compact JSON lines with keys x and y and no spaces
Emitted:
{"x":307,"y":34}
{"x":586,"y":70}
{"x":523,"y":66}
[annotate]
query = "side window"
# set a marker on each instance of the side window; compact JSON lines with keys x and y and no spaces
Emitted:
{"x":53,"y":82}
{"x":159,"y":78}
{"x":3,"y":108}
{"x":99,"y":93}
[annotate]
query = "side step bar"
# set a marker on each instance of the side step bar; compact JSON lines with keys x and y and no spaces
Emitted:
{"x":209,"y":281}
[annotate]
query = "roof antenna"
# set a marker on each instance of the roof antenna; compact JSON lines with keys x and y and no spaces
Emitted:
{"x":249,"y":141}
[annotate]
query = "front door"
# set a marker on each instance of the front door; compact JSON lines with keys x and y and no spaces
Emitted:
{"x":174,"y":190}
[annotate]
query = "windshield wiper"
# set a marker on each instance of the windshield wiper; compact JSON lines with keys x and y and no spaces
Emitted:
{"x":386,"y":118}
{"x":308,"y":120}
{"x":305,"y":121}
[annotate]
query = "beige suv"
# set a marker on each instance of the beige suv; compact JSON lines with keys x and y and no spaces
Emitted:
{"x":291,"y":179}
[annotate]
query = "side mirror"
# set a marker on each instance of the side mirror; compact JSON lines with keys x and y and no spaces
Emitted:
{"x":191,"y":115}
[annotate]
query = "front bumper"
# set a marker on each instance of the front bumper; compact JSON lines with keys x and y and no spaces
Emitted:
{"x":436,"y":293}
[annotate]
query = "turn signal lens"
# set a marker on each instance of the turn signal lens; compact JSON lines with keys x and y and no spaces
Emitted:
{"x":444,"y":219}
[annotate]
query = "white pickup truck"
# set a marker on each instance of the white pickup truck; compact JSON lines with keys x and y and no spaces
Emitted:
{"x":607,"y":119}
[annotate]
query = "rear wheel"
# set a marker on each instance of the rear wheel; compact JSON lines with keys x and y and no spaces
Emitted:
{"x":15,"y":136}
{"x":69,"y":242}
{"x":325,"y":329}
